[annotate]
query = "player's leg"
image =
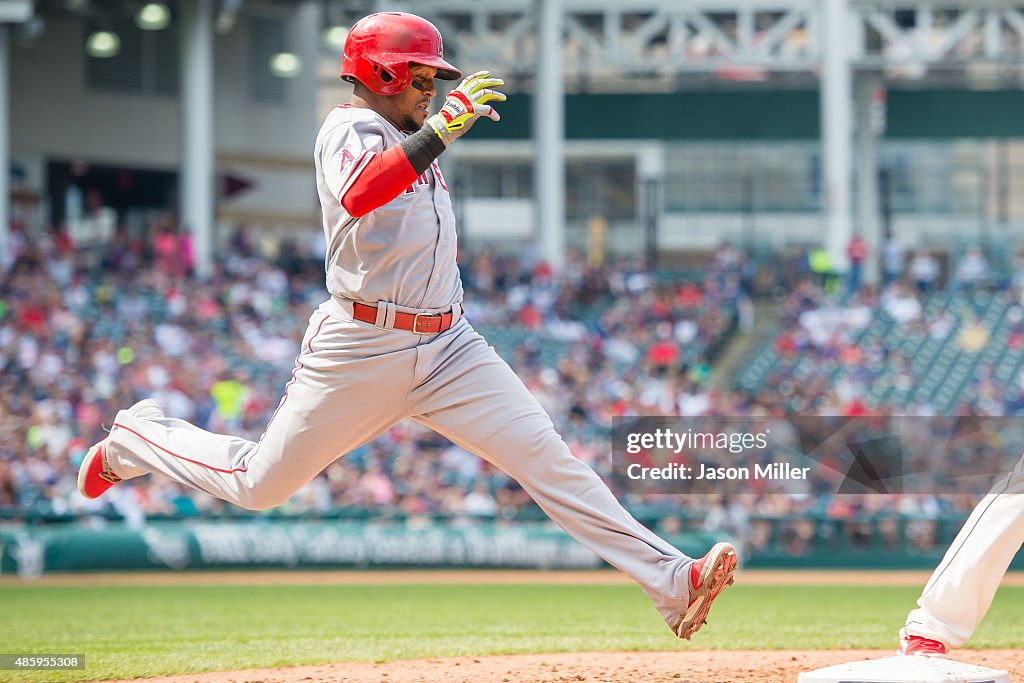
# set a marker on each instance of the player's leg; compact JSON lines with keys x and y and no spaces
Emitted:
{"x":471,"y":396}
{"x":348,"y":386}
{"x":961,"y":589}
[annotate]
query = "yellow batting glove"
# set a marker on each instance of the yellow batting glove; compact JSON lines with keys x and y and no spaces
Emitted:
{"x":466,"y":104}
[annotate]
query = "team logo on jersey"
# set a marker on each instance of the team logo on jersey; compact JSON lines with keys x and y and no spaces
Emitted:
{"x":346,"y":158}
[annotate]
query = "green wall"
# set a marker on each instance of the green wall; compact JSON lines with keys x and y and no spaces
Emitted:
{"x":763,"y":115}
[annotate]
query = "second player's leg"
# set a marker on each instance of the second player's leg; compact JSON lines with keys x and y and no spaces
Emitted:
{"x":961,"y":589}
{"x":472,"y":397}
{"x":348,"y":386}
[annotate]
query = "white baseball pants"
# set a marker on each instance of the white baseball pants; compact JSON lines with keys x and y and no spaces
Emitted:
{"x":352,"y":381}
{"x":961,"y":589}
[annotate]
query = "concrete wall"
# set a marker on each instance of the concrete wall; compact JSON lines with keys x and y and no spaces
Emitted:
{"x":55,"y":115}
{"x":509,"y":222}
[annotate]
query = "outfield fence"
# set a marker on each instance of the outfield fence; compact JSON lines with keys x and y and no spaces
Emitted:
{"x":55,"y":545}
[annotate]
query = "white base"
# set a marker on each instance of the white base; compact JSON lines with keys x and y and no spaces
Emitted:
{"x":907,"y":669}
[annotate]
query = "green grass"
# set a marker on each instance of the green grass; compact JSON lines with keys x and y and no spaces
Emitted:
{"x":137,"y":631}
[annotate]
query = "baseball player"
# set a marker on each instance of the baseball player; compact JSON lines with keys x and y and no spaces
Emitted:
{"x":961,"y":589}
{"x":391,"y":342}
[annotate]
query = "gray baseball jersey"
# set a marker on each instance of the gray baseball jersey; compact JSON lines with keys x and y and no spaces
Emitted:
{"x":353,"y":380}
{"x":404,"y":252}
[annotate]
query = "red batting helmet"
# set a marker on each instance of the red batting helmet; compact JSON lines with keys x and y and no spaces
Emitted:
{"x":380,"y":47}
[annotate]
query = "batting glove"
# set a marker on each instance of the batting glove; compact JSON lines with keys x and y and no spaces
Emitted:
{"x":465,"y":105}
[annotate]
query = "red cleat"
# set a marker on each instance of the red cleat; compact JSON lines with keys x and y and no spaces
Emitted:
{"x":708,"y":577}
{"x":95,"y":476}
{"x":919,"y":645}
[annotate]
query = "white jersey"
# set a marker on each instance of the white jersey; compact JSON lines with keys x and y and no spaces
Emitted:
{"x":403,"y":252}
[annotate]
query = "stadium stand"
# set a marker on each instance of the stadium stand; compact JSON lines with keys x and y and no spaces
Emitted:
{"x":85,"y":332}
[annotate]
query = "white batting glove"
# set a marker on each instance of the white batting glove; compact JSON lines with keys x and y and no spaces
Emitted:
{"x":465,"y":105}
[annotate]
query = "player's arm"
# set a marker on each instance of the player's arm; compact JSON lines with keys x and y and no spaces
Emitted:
{"x":387,"y":174}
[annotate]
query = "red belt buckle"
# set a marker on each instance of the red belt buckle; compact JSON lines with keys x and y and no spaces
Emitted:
{"x":426,"y":326}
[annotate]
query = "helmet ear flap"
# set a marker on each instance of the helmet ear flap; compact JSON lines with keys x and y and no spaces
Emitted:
{"x":383,"y":74}
{"x":388,"y":78}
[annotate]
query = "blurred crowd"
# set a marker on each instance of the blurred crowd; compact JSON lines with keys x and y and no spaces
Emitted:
{"x":855,"y":352}
{"x":84,"y":333}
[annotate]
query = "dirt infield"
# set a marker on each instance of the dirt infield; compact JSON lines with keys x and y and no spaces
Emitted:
{"x":591,"y":667}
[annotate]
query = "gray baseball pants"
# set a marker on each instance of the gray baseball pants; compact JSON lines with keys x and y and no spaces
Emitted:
{"x":352,"y":381}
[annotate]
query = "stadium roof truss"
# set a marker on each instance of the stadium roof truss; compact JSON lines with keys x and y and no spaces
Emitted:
{"x":850,"y":47}
{"x":738,"y":40}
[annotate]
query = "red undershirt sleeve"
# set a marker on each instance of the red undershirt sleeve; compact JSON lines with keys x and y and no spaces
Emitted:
{"x":385,"y":177}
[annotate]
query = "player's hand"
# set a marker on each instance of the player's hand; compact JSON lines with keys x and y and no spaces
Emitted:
{"x":465,"y":104}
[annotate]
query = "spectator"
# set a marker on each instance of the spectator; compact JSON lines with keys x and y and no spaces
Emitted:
{"x":924,"y":271}
{"x":857,"y":252}
{"x":941,"y":325}
{"x":973,"y":337}
{"x":167,"y":251}
{"x":480,"y":503}
{"x":901,"y":304}
{"x":186,"y":253}
{"x":893,"y":256}
{"x":822,"y":267}
{"x":972,"y":270}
